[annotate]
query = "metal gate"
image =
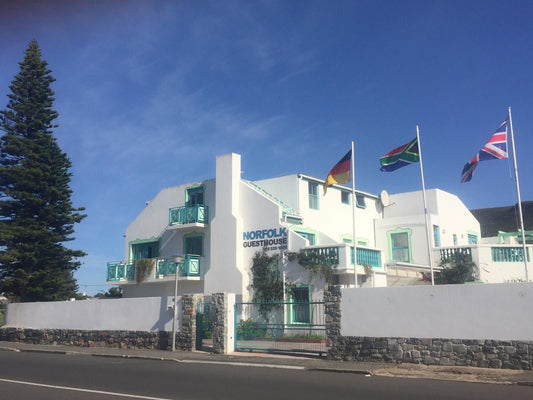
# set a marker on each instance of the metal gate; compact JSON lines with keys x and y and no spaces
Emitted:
{"x":286,"y":327}
{"x":204,"y":326}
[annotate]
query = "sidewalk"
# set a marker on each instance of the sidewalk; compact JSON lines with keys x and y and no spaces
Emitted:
{"x":268,"y":360}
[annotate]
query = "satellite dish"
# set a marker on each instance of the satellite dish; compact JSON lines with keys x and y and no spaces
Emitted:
{"x":384,"y":197}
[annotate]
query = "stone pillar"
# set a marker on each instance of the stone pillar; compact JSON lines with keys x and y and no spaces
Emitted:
{"x":332,"y":311}
{"x":186,"y":336}
{"x":219,"y":313}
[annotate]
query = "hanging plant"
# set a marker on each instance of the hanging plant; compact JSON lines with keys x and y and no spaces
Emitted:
{"x":143,"y":268}
{"x":315,"y":263}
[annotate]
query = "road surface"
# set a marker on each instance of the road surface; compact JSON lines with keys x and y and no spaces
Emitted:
{"x":42,"y":376}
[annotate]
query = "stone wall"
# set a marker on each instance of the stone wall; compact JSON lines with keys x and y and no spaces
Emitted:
{"x":162,"y":340}
{"x":117,"y":339}
{"x":509,"y":354}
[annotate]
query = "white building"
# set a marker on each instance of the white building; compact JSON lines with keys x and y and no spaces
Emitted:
{"x":220,"y":224}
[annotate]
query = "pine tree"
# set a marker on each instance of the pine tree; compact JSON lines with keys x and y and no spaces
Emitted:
{"x":36,"y":212}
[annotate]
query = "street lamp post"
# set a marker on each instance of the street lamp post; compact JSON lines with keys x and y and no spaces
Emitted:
{"x":177,"y":260}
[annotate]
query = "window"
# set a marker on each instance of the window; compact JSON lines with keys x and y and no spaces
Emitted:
{"x":145,"y":250}
{"x":193,"y":245}
{"x":360,"y":201}
{"x":472,"y":239}
{"x":454,"y":239}
{"x":313,"y":195}
{"x":400,"y":246}
{"x":195,"y":195}
{"x":436,"y":235}
{"x":299,"y":312}
{"x":309,"y":236}
{"x":345,"y":197}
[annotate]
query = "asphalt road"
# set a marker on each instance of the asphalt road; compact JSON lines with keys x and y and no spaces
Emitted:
{"x":54,"y":376}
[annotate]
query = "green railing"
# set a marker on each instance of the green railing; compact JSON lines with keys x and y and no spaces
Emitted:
{"x":328,"y":254}
{"x":508,"y":254}
{"x":122,"y":271}
{"x":364,"y":256}
{"x":367,"y":257}
{"x":190,"y":266}
{"x":456,"y":254}
{"x":117,"y":271}
{"x":188,"y":215}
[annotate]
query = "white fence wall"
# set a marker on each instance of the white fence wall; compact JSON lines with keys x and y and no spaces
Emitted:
{"x":475,"y":311}
{"x":140,"y":314}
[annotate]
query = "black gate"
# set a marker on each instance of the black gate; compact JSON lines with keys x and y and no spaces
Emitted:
{"x":286,"y":327}
{"x":204,"y":327}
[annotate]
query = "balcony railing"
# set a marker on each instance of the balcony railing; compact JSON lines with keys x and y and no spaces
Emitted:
{"x":327,"y":254}
{"x":190,"y":266}
{"x":367,"y":257}
{"x":188,"y":215}
{"x":509,"y":254}
{"x":125,"y":271}
{"x":120,"y":271}
{"x":449,"y":255}
{"x":336,"y":255}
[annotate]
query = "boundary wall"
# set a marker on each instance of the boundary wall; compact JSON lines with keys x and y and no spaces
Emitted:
{"x":484,"y":325}
{"x":136,"y":314}
{"x":142,"y":323}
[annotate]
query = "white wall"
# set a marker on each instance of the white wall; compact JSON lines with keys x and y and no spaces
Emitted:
{"x":142,"y":314}
{"x":476,"y":311}
{"x":406,"y":211}
{"x":226,"y":272}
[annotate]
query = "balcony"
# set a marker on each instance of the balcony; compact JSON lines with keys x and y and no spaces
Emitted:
{"x":196,"y":215}
{"x":124,"y":272}
{"x":496,"y":263}
{"x":342,"y":257}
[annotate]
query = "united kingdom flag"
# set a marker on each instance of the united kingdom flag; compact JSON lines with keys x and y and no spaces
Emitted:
{"x":495,"y":149}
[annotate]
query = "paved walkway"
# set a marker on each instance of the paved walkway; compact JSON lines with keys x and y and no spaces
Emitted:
{"x":268,"y":360}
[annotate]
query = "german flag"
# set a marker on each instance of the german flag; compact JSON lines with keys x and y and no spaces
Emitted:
{"x":340,"y":173}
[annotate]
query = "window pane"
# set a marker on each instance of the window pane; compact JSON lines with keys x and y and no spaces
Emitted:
{"x":400,"y":247}
{"x":345,"y":198}
{"x":436,"y":235}
{"x":194,"y":245}
{"x":145,"y":250}
{"x":360,"y":201}
{"x":195,"y":196}
{"x":399,"y":240}
{"x":400,"y":255}
{"x":313,"y":195}
{"x":300,"y":307}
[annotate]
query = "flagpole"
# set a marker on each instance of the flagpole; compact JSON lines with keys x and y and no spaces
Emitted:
{"x":518,"y":196}
{"x":353,"y":218}
{"x":425,"y":207}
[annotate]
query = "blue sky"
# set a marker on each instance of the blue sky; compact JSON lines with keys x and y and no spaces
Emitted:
{"x":150,"y":92}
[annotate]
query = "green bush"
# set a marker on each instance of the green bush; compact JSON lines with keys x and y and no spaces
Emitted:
{"x":247,"y":330}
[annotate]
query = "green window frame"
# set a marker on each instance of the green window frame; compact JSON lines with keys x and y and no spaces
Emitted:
{"x":311,"y":237}
{"x":472,"y":238}
{"x":140,"y":249}
{"x":193,"y":244}
{"x":300,"y":307}
{"x":400,"y":245}
{"x":313,"y":195}
{"x":194,"y":195}
{"x":436,"y":235}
